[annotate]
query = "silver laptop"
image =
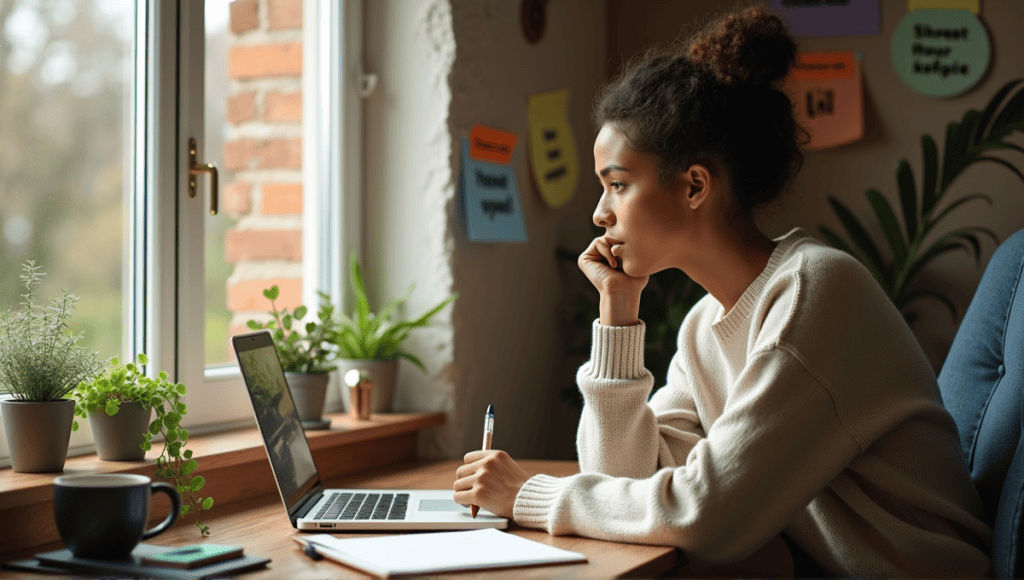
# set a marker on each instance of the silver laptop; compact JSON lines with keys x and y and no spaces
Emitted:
{"x":312,"y":507}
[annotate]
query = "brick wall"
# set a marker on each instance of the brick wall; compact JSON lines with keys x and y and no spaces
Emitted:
{"x":263,"y":156}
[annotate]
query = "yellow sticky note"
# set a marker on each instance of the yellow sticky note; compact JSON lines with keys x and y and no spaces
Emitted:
{"x":553,"y":157}
{"x":972,"y":5}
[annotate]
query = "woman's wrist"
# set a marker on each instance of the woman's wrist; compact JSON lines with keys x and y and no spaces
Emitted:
{"x":619,"y":310}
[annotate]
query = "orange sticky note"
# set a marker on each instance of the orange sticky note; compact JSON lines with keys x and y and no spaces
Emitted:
{"x":823,"y":65}
{"x":487,"y":144}
{"x":828,"y":98}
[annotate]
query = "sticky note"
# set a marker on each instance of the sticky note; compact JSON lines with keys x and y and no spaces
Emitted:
{"x":828,"y":99}
{"x":941,"y":53}
{"x":487,"y":144}
{"x":553,"y":158}
{"x":972,"y":5}
{"x":490,"y":200}
{"x":829,"y":17}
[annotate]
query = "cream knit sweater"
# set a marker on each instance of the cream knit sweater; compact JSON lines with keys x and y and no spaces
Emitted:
{"x":809,"y":408}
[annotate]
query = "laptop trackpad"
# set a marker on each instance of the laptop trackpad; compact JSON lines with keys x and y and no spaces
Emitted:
{"x":441,"y":505}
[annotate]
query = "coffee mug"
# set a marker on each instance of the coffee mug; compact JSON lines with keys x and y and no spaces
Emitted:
{"x":104,"y":516}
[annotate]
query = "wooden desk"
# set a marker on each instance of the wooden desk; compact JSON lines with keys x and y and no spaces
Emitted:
{"x":261,"y":525}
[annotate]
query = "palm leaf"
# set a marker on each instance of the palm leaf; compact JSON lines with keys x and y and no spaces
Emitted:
{"x":835,"y":241}
{"x":933,"y":251}
{"x":1007,"y":129}
{"x":1004,"y":163}
{"x":931,"y":174}
{"x":914,"y":295}
{"x":990,"y":109}
{"x":953,"y":206}
{"x":1012,"y":114}
{"x":994,"y":145}
{"x":867,"y":251}
{"x":890,"y":226}
{"x":955,"y":157}
{"x":908,"y":198}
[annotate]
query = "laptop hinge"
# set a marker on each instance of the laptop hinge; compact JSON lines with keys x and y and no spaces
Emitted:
{"x":314,"y":496}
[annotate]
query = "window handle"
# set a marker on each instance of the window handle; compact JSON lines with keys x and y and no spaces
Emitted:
{"x":195,"y":168}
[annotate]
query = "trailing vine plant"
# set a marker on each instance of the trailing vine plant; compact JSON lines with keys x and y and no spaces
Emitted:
{"x":121,"y":383}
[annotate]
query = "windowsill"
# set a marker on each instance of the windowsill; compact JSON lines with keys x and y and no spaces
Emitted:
{"x":234,"y":464}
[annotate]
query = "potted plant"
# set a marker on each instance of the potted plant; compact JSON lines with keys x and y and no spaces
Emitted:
{"x":967,"y":142}
{"x":40,"y":363}
{"x":123,"y":431}
{"x":373,"y":342}
{"x":304,"y":357}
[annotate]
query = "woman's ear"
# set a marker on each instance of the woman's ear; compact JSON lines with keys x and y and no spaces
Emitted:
{"x":696,"y":184}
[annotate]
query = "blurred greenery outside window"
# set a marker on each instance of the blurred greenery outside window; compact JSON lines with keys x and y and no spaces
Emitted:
{"x":66,"y":76}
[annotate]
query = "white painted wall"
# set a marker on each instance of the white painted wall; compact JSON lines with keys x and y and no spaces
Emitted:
{"x":445,"y":65}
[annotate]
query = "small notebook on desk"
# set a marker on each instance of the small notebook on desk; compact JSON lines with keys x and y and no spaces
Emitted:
{"x":427,"y":553}
{"x":61,"y":561}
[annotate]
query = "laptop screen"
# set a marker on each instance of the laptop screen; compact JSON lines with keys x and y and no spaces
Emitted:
{"x":283,"y":437}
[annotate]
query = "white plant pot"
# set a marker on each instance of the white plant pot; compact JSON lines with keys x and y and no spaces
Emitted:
{"x":385,"y":382}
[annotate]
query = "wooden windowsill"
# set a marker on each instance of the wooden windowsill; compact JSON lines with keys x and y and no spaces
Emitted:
{"x":234,"y":464}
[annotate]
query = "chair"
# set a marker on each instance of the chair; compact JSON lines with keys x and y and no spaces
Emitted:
{"x":982,"y":386}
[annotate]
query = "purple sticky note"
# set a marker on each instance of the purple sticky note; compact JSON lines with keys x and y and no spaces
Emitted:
{"x":829,"y":17}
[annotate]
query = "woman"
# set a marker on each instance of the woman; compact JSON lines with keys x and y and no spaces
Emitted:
{"x":798,"y":407}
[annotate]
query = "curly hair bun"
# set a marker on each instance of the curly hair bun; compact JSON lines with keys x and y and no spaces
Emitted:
{"x":746,"y":47}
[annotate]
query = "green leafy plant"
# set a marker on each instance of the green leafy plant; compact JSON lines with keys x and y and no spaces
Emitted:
{"x":966,"y":143}
{"x":301,"y":353}
{"x":375,"y":336}
{"x":40,"y":358}
{"x":127,"y":383}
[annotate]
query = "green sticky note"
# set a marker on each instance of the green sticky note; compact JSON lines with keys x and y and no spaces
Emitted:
{"x":941,"y":53}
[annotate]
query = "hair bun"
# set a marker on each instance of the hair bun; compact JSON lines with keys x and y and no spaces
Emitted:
{"x":746,"y":47}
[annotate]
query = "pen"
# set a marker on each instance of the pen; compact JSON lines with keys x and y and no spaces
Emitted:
{"x":488,"y":433}
{"x":308,"y":549}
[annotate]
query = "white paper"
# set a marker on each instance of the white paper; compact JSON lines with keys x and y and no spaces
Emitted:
{"x":439,"y":551}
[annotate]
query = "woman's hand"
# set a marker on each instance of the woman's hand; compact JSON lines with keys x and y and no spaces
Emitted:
{"x":620,"y":292}
{"x":491,"y":480}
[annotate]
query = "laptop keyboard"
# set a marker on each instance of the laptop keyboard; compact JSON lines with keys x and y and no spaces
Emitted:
{"x":364,"y":506}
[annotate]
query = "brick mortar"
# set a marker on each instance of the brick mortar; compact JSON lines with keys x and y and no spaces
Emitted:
{"x":264,"y":36}
{"x":246,"y":270}
{"x":272,"y":175}
{"x":253,"y":221}
{"x":264,"y":130}
{"x":275,"y":84}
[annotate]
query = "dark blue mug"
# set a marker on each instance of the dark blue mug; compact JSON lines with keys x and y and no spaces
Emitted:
{"x":104,"y":516}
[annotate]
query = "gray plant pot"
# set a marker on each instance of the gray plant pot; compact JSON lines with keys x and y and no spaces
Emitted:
{"x":38,"y":434}
{"x":118,"y":437}
{"x":308,"y":392}
{"x":385,"y":381}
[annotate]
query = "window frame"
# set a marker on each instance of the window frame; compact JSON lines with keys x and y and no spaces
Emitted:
{"x":168,"y":62}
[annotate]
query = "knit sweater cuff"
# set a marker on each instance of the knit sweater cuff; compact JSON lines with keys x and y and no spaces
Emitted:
{"x":535,"y":502}
{"x":617,"y":352}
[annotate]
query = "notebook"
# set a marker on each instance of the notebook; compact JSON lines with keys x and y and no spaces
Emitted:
{"x":386,"y":556}
{"x":309,"y":504}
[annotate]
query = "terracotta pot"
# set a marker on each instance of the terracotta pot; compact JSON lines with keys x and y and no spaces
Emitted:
{"x":119,"y":437}
{"x":385,"y":382}
{"x":38,"y":434}
{"x":308,"y":392}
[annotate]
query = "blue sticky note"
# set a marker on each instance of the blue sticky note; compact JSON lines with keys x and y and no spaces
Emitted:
{"x":491,"y":200}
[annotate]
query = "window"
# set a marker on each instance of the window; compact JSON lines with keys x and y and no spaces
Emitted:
{"x":95,"y":186}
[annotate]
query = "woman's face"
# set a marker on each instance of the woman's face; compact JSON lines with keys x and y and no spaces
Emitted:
{"x":636,"y":209}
